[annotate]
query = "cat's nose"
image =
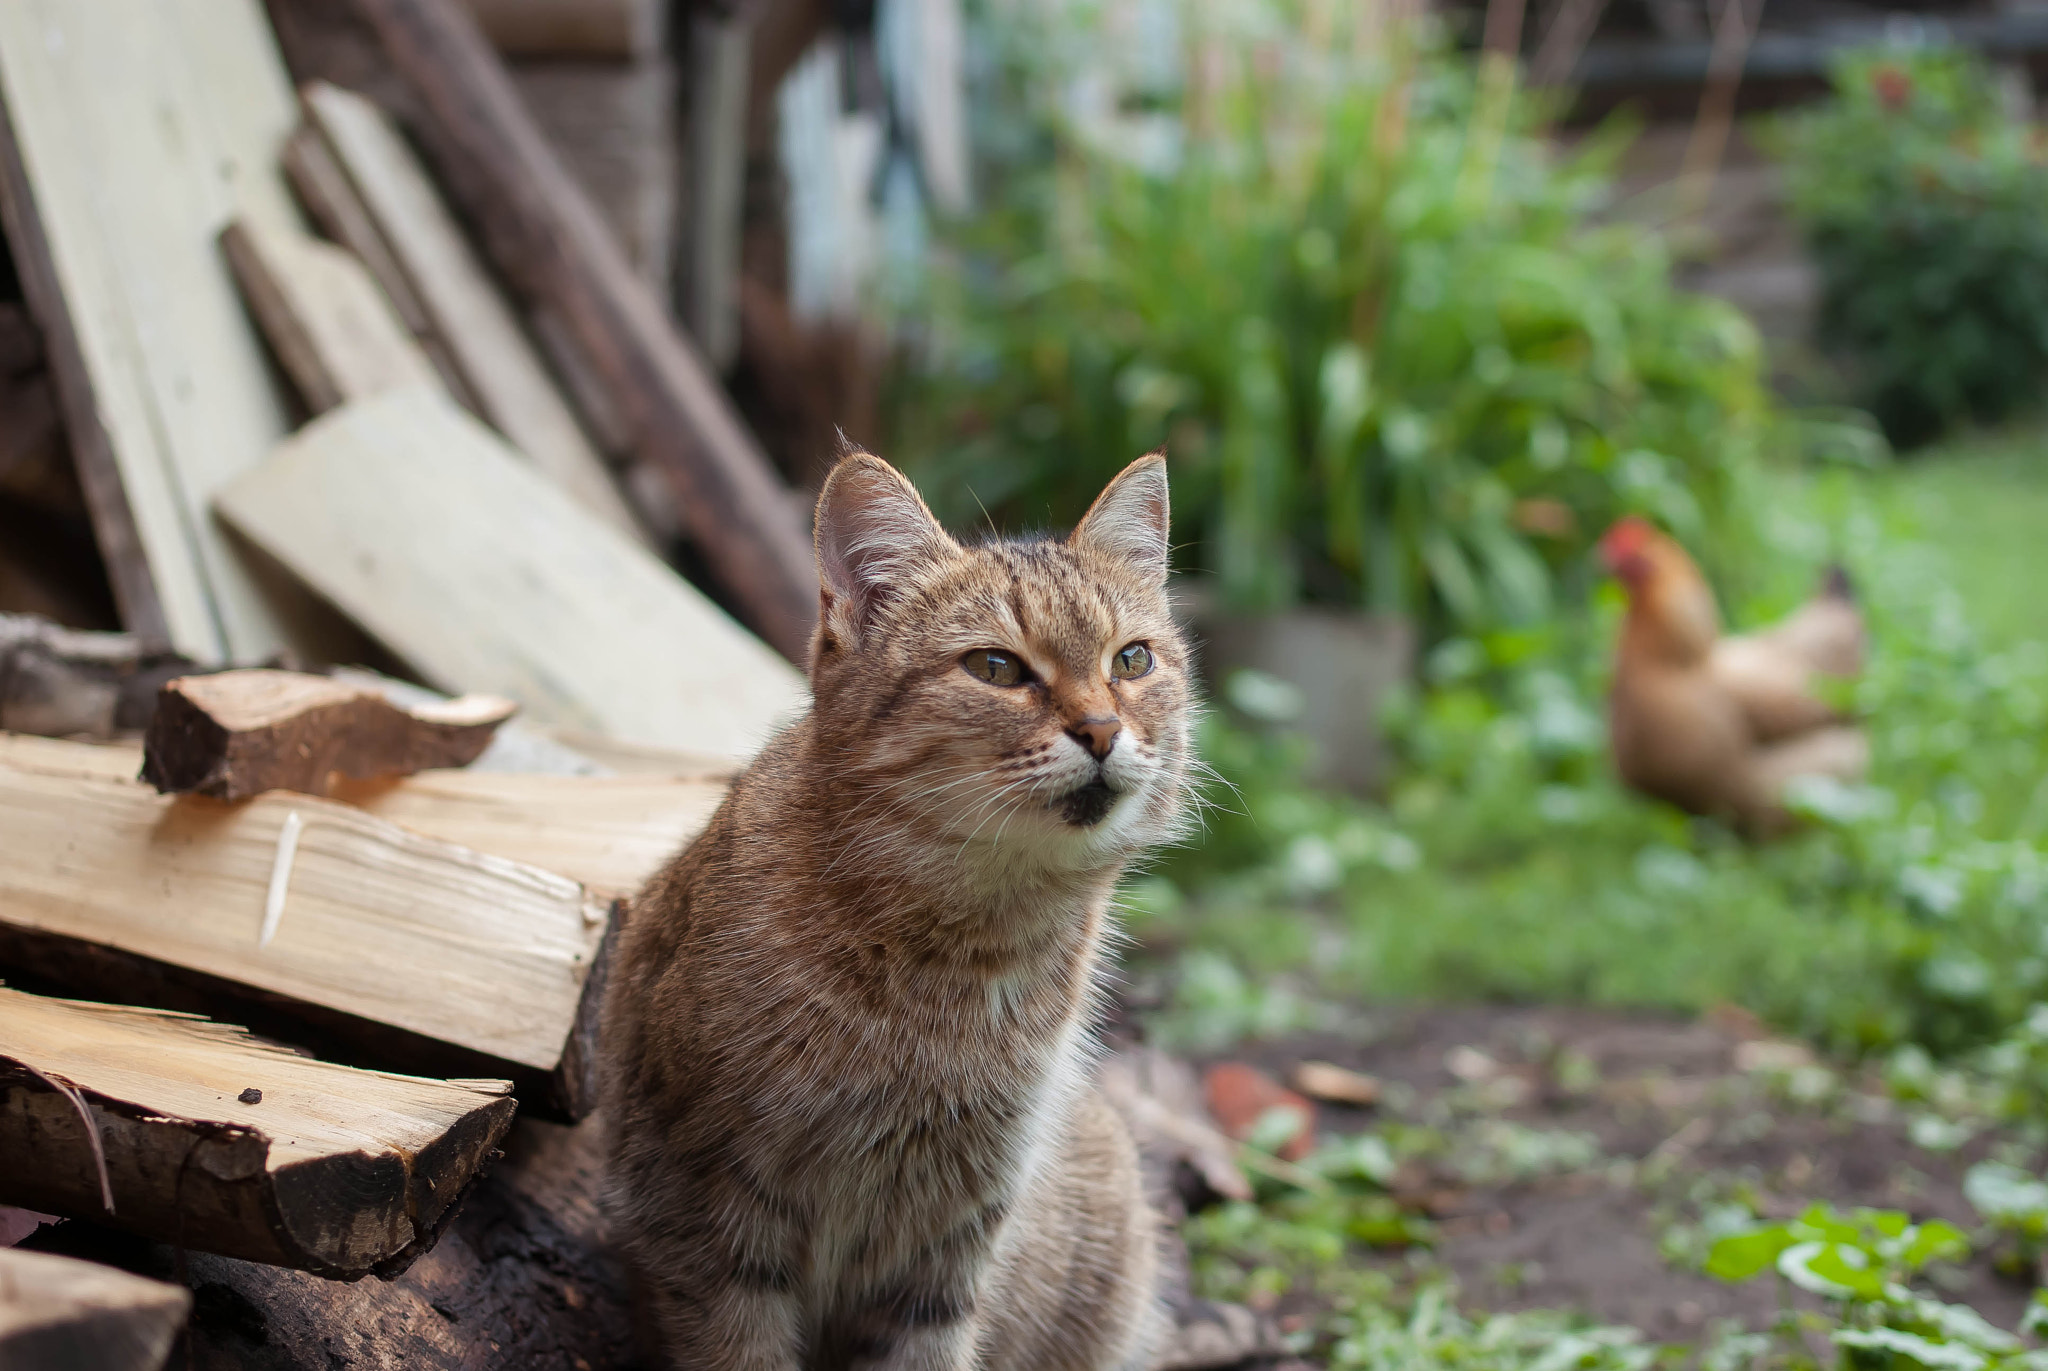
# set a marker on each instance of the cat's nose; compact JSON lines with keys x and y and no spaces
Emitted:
{"x":1097,"y":733}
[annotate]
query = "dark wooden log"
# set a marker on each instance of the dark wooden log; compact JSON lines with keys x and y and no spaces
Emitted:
{"x":548,"y":240}
{"x":57,"y":1312}
{"x":236,"y":734}
{"x":191,"y":1132}
{"x":62,"y":682}
{"x":520,"y":1279}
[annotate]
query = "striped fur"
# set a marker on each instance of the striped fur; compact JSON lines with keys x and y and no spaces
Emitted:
{"x":848,"y":1053}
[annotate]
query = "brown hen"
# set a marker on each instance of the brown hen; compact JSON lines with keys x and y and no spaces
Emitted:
{"x":1718,"y":725}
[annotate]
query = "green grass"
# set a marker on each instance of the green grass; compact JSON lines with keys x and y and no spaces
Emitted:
{"x":1983,"y":502}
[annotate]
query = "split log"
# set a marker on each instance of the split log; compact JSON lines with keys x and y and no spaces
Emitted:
{"x":608,"y":832}
{"x":550,"y":243}
{"x":194,"y":1133}
{"x":498,"y":363}
{"x":333,"y":329}
{"x":304,"y":918}
{"x":613,"y":29}
{"x":239,"y":733}
{"x":422,"y":526}
{"x":57,"y":1312}
{"x":60,"y":682}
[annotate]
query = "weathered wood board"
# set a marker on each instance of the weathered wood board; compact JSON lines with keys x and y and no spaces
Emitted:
{"x":422,"y":526}
{"x":554,"y":249}
{"x":609,"y":29}
{"x":430,"y":956}
{"x":58,"y":1312}
{"x":194,"y":1133}
{"x":330,"y":324}
{"x":134,"y":131}
{"x":499,"y":364}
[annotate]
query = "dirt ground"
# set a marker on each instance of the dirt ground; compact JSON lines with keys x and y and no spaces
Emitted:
{"x":1684,"y":1115}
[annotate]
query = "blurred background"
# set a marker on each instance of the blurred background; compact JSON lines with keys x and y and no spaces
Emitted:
{"x":1637,"y":1061}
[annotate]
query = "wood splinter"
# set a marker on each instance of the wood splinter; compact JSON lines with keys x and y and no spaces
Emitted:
{"x":239,"y":733}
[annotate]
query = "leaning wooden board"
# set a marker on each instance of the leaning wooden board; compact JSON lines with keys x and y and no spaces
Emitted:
{"x":416,"y":953}
{"x":423,"y":527}
{"x":134,"y":131}
{"x":193,"y":1133}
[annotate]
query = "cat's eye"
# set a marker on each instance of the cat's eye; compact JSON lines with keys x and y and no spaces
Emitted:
{"x":1131,"y":663}
{"x":994,"y":666}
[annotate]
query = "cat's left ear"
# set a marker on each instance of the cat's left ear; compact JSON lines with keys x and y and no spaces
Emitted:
{"x":873,"y":536}
{"x":1129,"y":520}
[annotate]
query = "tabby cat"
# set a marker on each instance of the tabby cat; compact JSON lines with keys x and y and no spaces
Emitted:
{"x":848,"y":1058}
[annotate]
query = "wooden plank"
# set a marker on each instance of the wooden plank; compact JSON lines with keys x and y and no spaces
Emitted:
{"x":194,"y":1133}
{"x":330,"y":325}
{"x":612,"y":29}
{"x":239,"y":733}
{"x":549,"y":241}
{"x":135,"y":130}
{"x":57,"y":1312}
{"x":479,"y":963}
{"x":720,"y":61}
{"x":497,"y":361}
{"x":422,"y":526}
{"x":608,"y":832}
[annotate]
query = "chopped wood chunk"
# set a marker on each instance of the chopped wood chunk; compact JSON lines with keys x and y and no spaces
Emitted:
{"x":399,"y":950}
{"x":140,"y":1119}
{"x":1323,"y":1081}
{"x":240,"y":733}
{"x":57,"y":1312}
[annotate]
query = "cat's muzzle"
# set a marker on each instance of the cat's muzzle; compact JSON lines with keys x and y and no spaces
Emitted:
{"x":1088,"y":805}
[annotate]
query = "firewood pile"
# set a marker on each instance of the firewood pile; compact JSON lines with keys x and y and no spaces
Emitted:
{"x":301,"y":965}
{"x":342,"y":334}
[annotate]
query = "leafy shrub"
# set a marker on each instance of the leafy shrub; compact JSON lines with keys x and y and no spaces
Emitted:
{"x":1926,"y":206}
{"x":1396,"y":360}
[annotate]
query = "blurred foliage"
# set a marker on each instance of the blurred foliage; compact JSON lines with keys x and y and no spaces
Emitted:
{"x":1506,"y":863}
{"x":1924,"y":198}
{"x":1395,"y":356}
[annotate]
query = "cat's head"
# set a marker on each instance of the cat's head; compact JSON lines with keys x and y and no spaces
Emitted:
{"x":1026,"y":701}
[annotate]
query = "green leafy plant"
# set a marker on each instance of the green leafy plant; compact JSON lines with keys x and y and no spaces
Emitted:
{"x":1862,"y":1264}
{"x":1925,"y":202}
{"x":1395,"y":358}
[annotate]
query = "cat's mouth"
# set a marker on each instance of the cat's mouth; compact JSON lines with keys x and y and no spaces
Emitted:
{"x":1086,"y":806}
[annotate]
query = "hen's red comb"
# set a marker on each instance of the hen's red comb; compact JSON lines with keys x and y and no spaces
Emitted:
{"x":1629,"y":536}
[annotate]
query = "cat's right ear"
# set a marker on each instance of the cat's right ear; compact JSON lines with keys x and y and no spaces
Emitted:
{"x":873,"y":533}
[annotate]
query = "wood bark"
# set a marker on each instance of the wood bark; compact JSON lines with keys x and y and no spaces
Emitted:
{"x":194,"y":1133}
{"x":58,"y":1312}
{"x":610,"y":29}
{"x":548,"y":240}
{"x":236,"y":734}
{"x":304,"y":918}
